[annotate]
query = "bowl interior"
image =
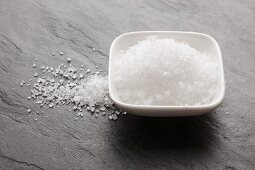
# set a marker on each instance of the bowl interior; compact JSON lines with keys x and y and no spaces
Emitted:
{"x":200,"y":42}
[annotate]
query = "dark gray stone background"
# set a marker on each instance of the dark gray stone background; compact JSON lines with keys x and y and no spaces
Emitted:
{"x":29,"y":29}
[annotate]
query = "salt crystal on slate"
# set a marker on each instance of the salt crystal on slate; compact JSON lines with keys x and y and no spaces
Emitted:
{"x":162,"y":71}
{"x":81,"y":76}
{"x":80,"y":114}
{"x":22,"y":83}
{"x":69,"y":59}
{"x":50,"y":105}
{"x":92,"y":109}
{"x":74,"y":76}
{"x":61,"y":81}
{"x":102,"y":108}
{"x":88,"y":71}
{"x":114,"y":117}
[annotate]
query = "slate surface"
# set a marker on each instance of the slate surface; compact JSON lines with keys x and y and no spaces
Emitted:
{"x":29,"y":29}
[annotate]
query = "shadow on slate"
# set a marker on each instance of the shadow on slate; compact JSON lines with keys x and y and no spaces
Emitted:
{"x":187,"y":134}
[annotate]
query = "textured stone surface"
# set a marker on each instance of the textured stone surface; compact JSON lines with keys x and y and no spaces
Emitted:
{"x":29,"y":29}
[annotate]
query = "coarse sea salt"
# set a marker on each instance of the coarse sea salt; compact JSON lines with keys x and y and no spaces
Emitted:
{"x":66,"y":85}
{"x":162,"y":71}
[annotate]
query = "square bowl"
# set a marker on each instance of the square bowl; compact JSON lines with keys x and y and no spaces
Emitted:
{"x":201,"y":42}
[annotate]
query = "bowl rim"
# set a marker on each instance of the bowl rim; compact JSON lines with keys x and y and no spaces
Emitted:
{"x":212,"y":105}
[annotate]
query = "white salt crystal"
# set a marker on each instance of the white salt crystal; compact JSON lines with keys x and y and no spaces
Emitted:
{"x":81,"y":76}
{"x":114,"y":116}
{"x":88,"y":71}
{"x":80,"y":114}
{"x":161,"y":71}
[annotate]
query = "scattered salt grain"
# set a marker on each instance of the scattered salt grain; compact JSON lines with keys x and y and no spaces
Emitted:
{"x":162,"y":71}
{"x":92,"y":109}
{"x":81,"y":76}
{"x":80,"y":114}
{"x":69,"y":60}
{"x":22,"y":83}
{"x":114,"y":117}
{"x":50,"y":105}
{"x":88,"y":71}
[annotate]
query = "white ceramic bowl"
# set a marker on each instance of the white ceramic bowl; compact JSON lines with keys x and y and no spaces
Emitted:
{"x":201,"y":42}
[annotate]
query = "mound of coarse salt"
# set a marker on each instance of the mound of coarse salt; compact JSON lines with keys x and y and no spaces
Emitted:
{"x":91,"y":90}
{"x":161,"y":71}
